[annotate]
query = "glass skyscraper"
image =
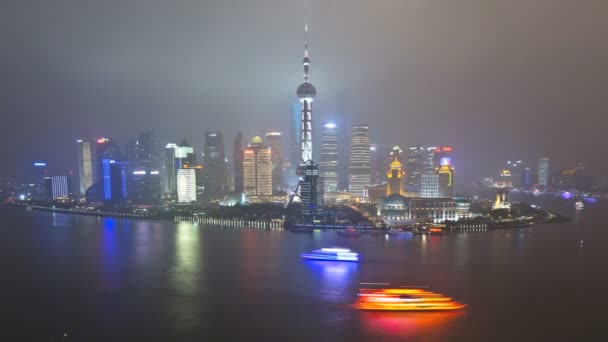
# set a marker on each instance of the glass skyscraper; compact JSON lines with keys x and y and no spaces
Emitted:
{"x":214,"y":162}
{"x":360,"y":161}
{"x":328,"y":166}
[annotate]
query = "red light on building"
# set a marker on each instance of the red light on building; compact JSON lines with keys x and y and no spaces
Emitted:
{"x":446,"y":148}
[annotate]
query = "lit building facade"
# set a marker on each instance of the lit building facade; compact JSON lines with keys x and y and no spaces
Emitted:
{"x":311,"y":193}
{"x":114,"y":181}
{"x":87,"y":171}
{"x":395,"y":177}
{"x":186,"y":185}
{"x":415,"y":168}
{"x":174,"y":158}
{"x":429,"y":187}
{"x":144,"y":182}
{"x":360,"y":162}
{"x":328,"y":167}
{"x":60,"y":187}
{"x":397,"y":210}
{"x":257,"y":169}
{"x":543,"y":172}
{"x":446,"y":181}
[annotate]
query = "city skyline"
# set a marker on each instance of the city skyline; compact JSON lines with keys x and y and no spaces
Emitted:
{"x":140,"y":84}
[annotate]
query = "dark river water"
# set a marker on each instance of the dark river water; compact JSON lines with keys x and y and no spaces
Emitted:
{"x":103,"y":279}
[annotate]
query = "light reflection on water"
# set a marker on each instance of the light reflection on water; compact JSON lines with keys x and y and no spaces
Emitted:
{"x":433,"y":326}
{"x":187,"y":266}
{"x":336,"y":279}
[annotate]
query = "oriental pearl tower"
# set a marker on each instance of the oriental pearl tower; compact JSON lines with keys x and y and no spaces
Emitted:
{"x":306,"y":94}
{"x":310,"y":187}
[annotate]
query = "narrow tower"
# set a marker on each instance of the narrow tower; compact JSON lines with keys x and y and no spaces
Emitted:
{"x":311,"y":185}
{"x":306,"y":94}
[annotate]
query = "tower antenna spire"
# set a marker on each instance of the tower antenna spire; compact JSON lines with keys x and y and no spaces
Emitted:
{"x":306,"y":32}
{"x":306,"y":60}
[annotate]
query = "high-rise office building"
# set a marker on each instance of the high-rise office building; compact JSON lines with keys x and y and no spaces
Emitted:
{"x":257,"y":169}
{"x":429,"y":187}
{"x":275,"y":141}
{"x":328,"y":167}
{"x":310,"y":186}
{"x":214,"y":161}
{"x":87,"y":170}
{"x":41,"y":182}
{"x":543,"y":172}
{"x":360,"y":161}
{"x":379,"y":159}
{"x":446,"y":181}
{"x":143,"y":152}
{"x":144,"y":180}
{"x":395,"y":177}
{"x":169,"y":171}
{"x":311,"y":190}
{"x":415,"y":168}
{"x":516,"y":168}
{"x":186,"y":185}
{"x":144,"y":185}
{"x":114,"y":180}
{"x":238,"y":162}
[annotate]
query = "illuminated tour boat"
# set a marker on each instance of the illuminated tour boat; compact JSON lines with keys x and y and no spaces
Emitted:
{"x":332,"y":254}
{"x":404,"y":299}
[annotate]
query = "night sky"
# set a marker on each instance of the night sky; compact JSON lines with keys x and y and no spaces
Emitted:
{"x":496,"y":79}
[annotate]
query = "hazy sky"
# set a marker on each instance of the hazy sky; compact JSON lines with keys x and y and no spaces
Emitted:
{"x":496,"y":79}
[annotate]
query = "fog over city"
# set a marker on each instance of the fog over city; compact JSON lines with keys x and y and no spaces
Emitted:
{"x":495,"y":79}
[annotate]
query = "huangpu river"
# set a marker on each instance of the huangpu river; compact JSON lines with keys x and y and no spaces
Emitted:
{"x":104,"y":279}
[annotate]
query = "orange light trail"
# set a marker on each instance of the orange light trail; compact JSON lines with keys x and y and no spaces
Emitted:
{"x":404,"y":299}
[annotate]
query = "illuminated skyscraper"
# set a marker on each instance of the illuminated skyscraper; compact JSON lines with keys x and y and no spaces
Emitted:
{"x":186,"y":185}
{"x":87,"y":172}
{"x":275,"y":141}
{"x":114,"y":181}
{"x":360,"y":161}
{"x":328,"y":167}
{"x":446,"y":181}
{"x":214,"y":161}
{"x":415,"y":168}
{"x":257,"y":169}
{"x":144,"y":181}
{"x":395,"y":177}
{"x":238,"y":163}
{"x":543,"y":172}
{"x":310,"y":186}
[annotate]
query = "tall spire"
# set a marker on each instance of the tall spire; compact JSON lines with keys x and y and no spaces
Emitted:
{"x":306,"y":34}
{"x":306,"y":60}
